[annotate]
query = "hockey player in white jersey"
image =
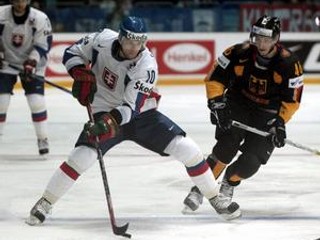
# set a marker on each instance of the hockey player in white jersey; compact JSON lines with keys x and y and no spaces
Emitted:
{"x":120,"y":83}
{"x":25,"y":40}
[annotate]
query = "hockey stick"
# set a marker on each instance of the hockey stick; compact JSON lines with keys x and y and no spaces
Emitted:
{"x":117,"y":230}
{"x":35,"y":77}
{"x":265,"y":134}
{"x":41,"y":79}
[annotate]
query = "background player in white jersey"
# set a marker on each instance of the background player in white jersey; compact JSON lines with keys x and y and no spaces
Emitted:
{"x":25,"y":40}
{"x":120,"y":84}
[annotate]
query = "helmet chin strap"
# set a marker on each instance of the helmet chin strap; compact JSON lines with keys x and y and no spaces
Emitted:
{"x":121,"y":54}
{"x":274,"y":45}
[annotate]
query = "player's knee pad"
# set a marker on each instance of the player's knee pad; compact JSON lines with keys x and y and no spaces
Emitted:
{"x":37,"y":106}
{"x":36,"y":103}
{"x":246,"y":166}
{"x":82,"y":158}
{"x":185,"y":150}
{"x":225,"y":149}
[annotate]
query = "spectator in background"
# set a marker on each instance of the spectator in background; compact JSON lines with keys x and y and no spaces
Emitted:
{"x":105,"y":4}
{"x":120,"y":11}
{"x":157,"y":2}
{"x":36,"y":4}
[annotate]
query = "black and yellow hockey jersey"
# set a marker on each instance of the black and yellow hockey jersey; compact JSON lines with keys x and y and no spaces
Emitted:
{"x":274,"y":86}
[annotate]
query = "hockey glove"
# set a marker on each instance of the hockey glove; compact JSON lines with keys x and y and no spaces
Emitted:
{"x":105,"y":128}
{"x":29,"y":67}
{"x":278,"y":132}
{"x":84,"y":84}
{"x":220,"y":112}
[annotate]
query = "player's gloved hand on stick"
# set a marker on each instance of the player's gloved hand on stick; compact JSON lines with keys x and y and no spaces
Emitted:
{"x":84,"y":85}
{"x":220,"y":112}
{"x":105,"y":128}
{"x":29,"y":67}
{"x":278,"y":131}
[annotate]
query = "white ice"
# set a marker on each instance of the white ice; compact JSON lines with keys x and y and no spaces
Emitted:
{"x":280,"y":202}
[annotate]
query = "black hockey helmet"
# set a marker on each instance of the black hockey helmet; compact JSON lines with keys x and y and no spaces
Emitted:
{"x":266,"y":26}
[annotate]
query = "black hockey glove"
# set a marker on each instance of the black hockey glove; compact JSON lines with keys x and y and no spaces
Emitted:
{"x":220,"y":112}
{"x":278,"y":132}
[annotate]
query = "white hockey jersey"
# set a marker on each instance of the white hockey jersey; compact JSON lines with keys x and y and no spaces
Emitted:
{"x":20,"y":42}
{"x":127,"y":85}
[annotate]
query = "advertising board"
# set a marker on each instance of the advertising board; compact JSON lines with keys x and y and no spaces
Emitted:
{"x":185,"y":58}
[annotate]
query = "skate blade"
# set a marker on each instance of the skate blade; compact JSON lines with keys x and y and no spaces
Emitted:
{"x":187,"y":210}
{"x":32,"y":221}
{"x":43,"y":157}
{"x":229,"y":217}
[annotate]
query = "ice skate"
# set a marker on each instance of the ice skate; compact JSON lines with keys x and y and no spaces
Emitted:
{"x":43,"y":146}
{"x":226,"y":189}
{"x":226,"y":209}
{"x":192,"y":201}
{"x":39,"y":212}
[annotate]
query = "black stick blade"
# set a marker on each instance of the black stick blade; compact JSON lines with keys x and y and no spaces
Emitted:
{"x":121,"y":230}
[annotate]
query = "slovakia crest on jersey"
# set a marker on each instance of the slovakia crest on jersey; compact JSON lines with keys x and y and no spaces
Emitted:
{"x":110,"y":79}
{"x":17,"y":40}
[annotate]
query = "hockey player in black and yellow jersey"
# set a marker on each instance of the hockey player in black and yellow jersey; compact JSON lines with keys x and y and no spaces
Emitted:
{"x":258,"y":83}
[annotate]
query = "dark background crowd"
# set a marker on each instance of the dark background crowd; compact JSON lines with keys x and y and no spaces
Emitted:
{"x":178,"y":15}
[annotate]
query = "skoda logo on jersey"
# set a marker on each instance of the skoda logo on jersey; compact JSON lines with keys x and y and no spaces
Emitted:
{"x":142,"y":88}
{"x":17,"y":40}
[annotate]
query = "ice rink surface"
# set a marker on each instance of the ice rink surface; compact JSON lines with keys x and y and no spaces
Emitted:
{"x":281,"y":202}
